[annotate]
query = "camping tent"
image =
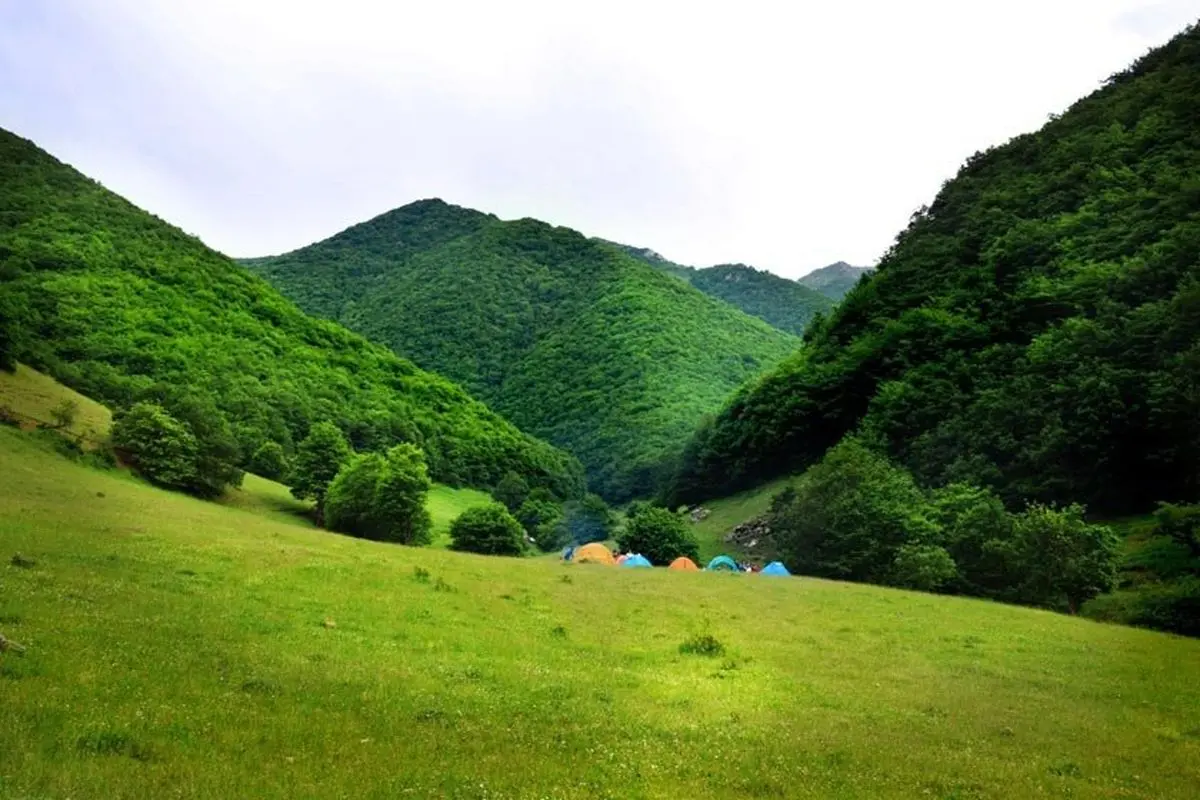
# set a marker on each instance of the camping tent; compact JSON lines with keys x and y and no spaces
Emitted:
{"x":636,"y":560}
{"x":775,"y":568}
{"x":594,"y":553}
{"x":684,"y":563}
{"x":621,"y":558}
{"x":722,"y":564}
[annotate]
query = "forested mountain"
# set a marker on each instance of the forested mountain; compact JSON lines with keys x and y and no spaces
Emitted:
{"x":835,"y":280}
{"x":569,"y":338}
{"x":1035,"y":330}
{"x":782,"y":303}
{"x":120,"y":305}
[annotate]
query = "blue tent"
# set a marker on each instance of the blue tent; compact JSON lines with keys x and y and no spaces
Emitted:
{"x":775,"y":568}
{"x":636,"y":560}
{"x":722,"y":563}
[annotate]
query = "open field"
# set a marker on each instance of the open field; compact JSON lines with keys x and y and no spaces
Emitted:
{"x":188,"y":649}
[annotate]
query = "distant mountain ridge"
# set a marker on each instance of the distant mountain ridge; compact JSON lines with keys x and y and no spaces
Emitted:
{"x":836,"y":280}
{"x":572,"y":339}
{"x":781,"y":303}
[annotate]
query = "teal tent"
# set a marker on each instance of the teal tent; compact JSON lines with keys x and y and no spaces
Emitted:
{"x":636,"y":560}
{"x":722,"y":564}
{"x":775,"y":568}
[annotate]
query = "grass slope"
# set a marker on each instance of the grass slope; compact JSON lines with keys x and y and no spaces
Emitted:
{"x":180,"y":648}
{"x":32,"y":396}
{"x":112,"y":301}
{"x":726,"y":513}
{"x":571,"y":339}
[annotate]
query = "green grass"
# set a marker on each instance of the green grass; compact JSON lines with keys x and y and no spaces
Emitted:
{"x":180,"y":648}
{"x":446,"y":503}
{"x":33,"y":395}
{"x":729,"y":512}
{"x":269,"y":499}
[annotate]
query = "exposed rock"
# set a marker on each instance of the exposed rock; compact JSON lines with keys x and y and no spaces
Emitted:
{"x":754,"y":534}
{"x":698,"y":513}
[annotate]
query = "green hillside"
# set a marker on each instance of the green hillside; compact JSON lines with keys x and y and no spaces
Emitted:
{"x":119,"y":305}
{"x":1035,"y":330}
{"x":834,"y":281}
{"x":784,"y":304}
{"x":180,"y":648}
{"x":567,"y":337}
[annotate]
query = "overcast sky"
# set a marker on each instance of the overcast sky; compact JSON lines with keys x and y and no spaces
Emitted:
{"x":786,"y":135}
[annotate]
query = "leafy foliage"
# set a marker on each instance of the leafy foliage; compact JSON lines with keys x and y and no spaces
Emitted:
{"x":542,"y":518}
{"x":857,"y":516}
{"x":511,"y":491}
{"x":270,"y":461}
{"x":110,"y":301}
{"x":568,"y":337}
{"x":658,"y":534}
{"x":319,"y":459}
{"x":490,"y":530}
{"x":382,"y":497}
{"x":1034,"y":331}
{"x":157,"y":446}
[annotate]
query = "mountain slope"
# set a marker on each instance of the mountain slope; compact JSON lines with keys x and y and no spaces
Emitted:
{"x":569,"y":338}
{"x":1036,"y":329}
{"x":781,"y":303}
{"x":835,"y":280}
{"x":112,"y":301}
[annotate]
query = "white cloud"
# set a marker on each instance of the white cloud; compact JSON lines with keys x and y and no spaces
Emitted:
{"x":786,"y":135}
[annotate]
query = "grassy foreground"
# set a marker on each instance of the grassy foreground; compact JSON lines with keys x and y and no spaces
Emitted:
{"x":188,"y":649}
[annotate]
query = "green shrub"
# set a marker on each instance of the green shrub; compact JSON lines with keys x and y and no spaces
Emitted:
{"x":926,"y":567}
{"x":702,"y":645}
{"x":489,"y":529}
{"x":381,"y":497}
{"x":511,"y":491}
{"x":542,"y":518}
{"x":659,"y":535}
{"x":157,"y":446}
{"x":270,"y":462}
{"x":1065,"y":561}
{"x":848,"y":515}
{"x":318,"y":459}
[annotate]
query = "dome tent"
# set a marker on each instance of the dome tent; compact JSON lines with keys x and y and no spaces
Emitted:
{"x":684,"y":563}
{"x":722,"y":564}
{"x":636,"y":560}
{"x":594,"y":553}
{"x":775,"y":568}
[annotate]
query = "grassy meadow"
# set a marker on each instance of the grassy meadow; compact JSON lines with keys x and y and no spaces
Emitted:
{"x":189,"y":649}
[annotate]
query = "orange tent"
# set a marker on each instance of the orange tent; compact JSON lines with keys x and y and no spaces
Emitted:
{"x":684,"y":563}
{"x":594,"y":553}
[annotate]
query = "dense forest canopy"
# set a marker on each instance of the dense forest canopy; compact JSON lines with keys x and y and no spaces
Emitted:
{"x":118,"y":304}
{"x":569,"y":338}
{"x":1035,"y":330}
{"x":781,"y":303}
